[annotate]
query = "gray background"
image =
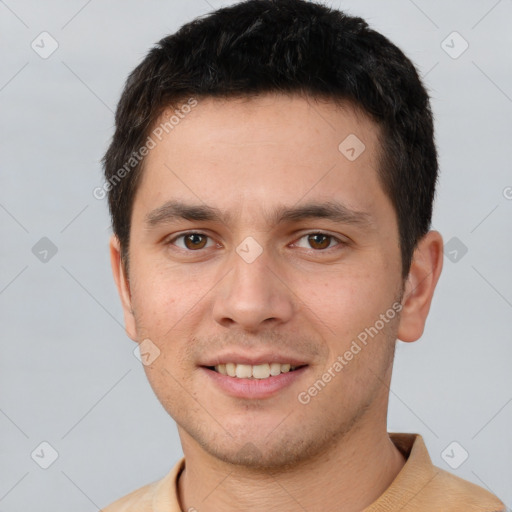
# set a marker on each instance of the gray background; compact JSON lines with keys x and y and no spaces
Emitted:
{"x":68,"y":375}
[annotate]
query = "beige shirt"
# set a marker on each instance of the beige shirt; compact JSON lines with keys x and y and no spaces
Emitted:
{"x":419,"y":486}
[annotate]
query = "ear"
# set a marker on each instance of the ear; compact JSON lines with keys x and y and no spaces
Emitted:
{"x":426,"y":266}
{"x":123,"y":286}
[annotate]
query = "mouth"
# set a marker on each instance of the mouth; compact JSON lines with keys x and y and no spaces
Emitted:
{"x":256,"y":372}
{"x":253,"y":382}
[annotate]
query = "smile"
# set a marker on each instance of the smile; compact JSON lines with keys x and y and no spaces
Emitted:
{"x":257,"y":371}
{"x":253,"y":381}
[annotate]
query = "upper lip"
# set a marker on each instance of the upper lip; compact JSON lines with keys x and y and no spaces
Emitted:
{"x":239,"y":358}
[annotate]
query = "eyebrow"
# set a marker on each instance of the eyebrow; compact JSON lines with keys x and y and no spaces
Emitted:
{"x":337,"y":212}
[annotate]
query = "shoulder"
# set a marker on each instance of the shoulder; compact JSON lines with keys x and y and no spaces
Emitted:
{"x":139,"y":500}
{"x":452,"y":493}
{"x":422,"y":486}
{"x":160,"y":495}
{"x":157,"y":496}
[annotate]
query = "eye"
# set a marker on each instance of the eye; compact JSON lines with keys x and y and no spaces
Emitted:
{"x":191,"y":241}
{"x":194,"y":241}
{"x":318,"y":241}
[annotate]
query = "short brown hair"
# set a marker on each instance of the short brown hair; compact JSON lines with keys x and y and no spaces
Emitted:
{"x":294,"y":47}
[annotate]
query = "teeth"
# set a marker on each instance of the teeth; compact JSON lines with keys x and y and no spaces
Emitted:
{"x":243,"y":371}
{"x":261,"y":371}
{"x":258,"y":371}
{"x":230,"y":369}
{"x":275,"y":369}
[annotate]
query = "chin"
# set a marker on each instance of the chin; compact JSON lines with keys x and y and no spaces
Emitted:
{"x":267,"y":451}
{"x":251,"y":457}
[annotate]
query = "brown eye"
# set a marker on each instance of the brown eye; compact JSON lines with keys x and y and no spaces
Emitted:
{"x":191,"y":241}
{"x":194,"y":241}
{"x":319,"y":240}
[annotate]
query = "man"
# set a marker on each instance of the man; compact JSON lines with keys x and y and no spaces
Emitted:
{"x":271,"y":181}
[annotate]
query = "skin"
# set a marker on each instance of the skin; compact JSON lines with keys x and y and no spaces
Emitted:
{"x":299,"y":296}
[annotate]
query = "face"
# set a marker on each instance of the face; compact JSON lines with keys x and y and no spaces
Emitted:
{"x":256,"y":239}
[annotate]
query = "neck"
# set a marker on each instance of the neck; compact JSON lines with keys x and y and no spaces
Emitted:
{"x":357,"y":469}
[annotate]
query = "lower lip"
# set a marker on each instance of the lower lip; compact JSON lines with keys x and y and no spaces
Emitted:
{"x":254,"y":388}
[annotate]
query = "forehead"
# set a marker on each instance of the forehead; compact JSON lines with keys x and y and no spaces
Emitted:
{"x":251,"y":154}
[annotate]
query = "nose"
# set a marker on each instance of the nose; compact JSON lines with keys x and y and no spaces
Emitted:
{"x":253,"y":295}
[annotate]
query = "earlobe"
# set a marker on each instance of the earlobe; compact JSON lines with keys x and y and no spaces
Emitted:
{"x":123,"y":286}
{"x":424,"y":273}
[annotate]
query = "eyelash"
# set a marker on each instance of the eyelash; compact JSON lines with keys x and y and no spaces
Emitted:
{"x":332,"y":237}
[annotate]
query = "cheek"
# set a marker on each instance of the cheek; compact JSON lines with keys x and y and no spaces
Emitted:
{"x":346,"y":292}
{"x":157,"y":302}
{"x":345,"y":302}
{"x":169,"y":304}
